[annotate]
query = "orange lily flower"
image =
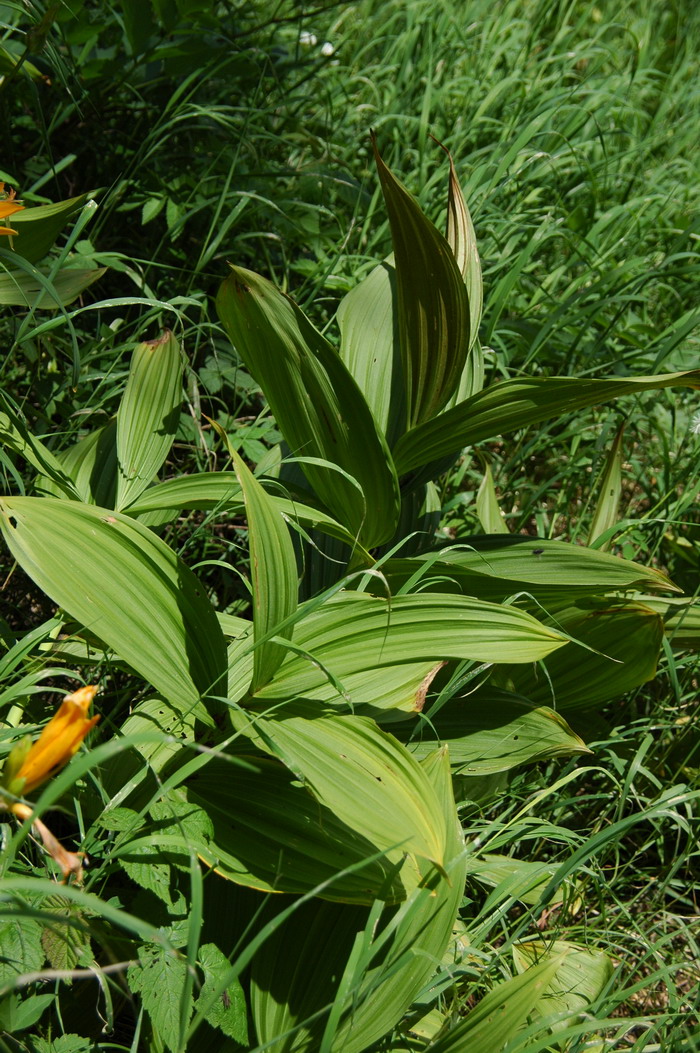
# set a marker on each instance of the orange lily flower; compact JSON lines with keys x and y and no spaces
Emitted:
{"x":8,"y":205}
{"x":57,"y":743}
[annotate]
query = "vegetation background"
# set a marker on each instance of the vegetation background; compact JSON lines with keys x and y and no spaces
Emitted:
{"x":207,"y":133}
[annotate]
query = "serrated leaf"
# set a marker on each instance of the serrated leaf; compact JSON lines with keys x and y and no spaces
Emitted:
{"x":228,"y":1012}
{"x":148,"y":415}
{"x":65,"y":939}
{"x":123,"y":583}
{"x":21,"y":950}
{"x":160,"y":979}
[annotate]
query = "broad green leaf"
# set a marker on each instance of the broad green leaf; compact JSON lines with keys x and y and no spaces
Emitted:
{"x":517,"y":878}
{"x":487,"y":507}
{"x":368,"y":966}
{"x":17,"y":1013}
{"x":365,"y":777}
{"x":581,"y":977}
{"x":369,"y":346}
{"x":432,"y":305}
{"x":316,"y":403}
{"x":514,"y":404}
{"x":15,"y":436}
{"x":497,"y":566}
{"x":491,"y":731}
{"x":626,"y":641}
{"x":501,"y":1013}
{"x":91,"y":464}
{"x":66,"y":939}
{"x":148,"y":415}
{"x":355,"y":632}
{"x":123,"y":583}
{"x":273,"y":571}
{"x":607,"y":510}
{"x":38,"y":227}
{"x":19,"y":289}
{"x":271,"y":833}
{"x":228,"y":1011}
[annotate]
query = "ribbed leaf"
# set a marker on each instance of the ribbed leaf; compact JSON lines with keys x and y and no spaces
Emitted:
{"x":607,"y":511}
{"x":19,"y":289}
{"x":355,"y":632}
{"x":433,"y":309}
{"x":316,"y":403}
{"x":517,"y":878}
{"x":148,"y":415}
{"x":270,"y":833}
{"x":491,"y":731}
{"x":579,"y":980}
{"x":125,"y":585}
{"x":627,"y":638}
{"x":366,"y":778}
{"x":515,"y":404}
{"x":273,"y":570}
{"x":369,"y":967}
{"x":462,"y":240}
{"x":496,"y":566}
{"x":681,"y":620}
{"x":38,"y":227}
{"x":369,"y":346}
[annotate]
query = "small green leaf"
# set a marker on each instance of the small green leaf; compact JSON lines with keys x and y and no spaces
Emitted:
{"x":228,"y":1011}
{"x":487,"y":507}
{"x":160,"y":979}
{"x":607,"y":511}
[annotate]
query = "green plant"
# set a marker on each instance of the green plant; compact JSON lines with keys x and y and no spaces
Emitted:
{"x":290,"y":751}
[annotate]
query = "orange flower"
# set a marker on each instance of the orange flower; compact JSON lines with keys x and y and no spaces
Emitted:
{"x":57,"y":743}
{"x":7,"y":207}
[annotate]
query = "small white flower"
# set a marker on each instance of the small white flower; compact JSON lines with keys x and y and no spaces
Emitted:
{"x":328,"y":49}
{"x":308,"y":39}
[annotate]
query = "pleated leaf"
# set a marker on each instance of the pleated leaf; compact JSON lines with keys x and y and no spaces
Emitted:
{"x":517,"y":878}
{"x":356,"y":632}
{"x":38,"y":227}
{"x":316,"y":403}
{"x":124,"y":584}
{"x":496,"y":566}
{"x":19,"y":289}
{"x":370,"y":346}
{"x":366,"y":778}
{"x":492,"y":731}
{"x":607,"y":510}
{"x":91,"y":464}
{"x":433,"y":308}
{"x":270,"y":833}
{"x":16,"y":436}
{"x":462,"y":240}
{"x":487,"y":507}
{"x":627,"y":639}
{"x":503,"y":408}
{"x":681,"y":620}
{"x":580,"y":978}
{"x":369,"y":966}
{"x":273,"y":571}
{"x":148,"y":415}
